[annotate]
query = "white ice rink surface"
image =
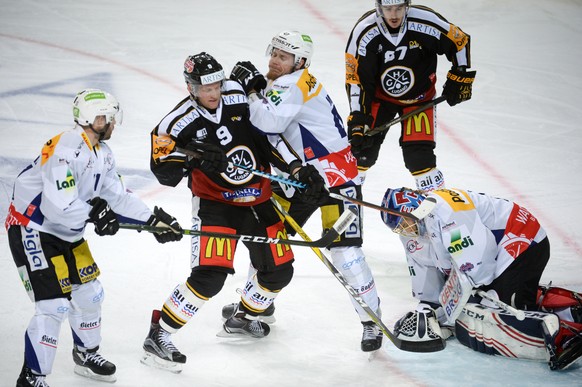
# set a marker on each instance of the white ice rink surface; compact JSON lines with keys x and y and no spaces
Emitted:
{"x":519,"y":138}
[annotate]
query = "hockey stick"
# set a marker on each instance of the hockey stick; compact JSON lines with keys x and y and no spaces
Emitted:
{"x":425,"y":207}
{"x":422,"y":211}
{"x":411,"y":113}
{"x":410,"y":346}
{"x":519,"y":314}
{"x":328,"y":237}
{"x":266,"y":175}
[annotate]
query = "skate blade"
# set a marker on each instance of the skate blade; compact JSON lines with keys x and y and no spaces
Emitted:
{"x":266,"y":319}
{"x":154,"y":361}
{"x":87,"y":373}
{"x":236,"y":335}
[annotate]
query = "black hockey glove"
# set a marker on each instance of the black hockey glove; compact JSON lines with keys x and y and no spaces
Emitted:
{"x":248,"y":76}
{"x":103,"y":217}
{"x":160,"y":218}
{"x":459,"y":85}
{"x":358,"y":124}
{"x":315,"y":193}
{"x":212,"y":158}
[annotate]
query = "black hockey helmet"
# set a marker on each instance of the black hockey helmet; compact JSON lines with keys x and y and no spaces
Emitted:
{"x":202,"y":69}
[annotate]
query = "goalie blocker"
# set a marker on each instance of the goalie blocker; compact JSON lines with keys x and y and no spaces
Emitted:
{"x":553,"y":334}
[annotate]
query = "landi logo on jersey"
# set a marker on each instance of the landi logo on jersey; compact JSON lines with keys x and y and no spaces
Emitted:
{"x":68,"y":183}
{"x":274,"y":96}
{"x":397,"y":80}
{"x":458,"y":243}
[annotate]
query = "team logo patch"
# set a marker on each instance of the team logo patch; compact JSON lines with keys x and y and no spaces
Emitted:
{"x":413,"y":246}
{"x":397,"y":81}
{"x":239,"y":155}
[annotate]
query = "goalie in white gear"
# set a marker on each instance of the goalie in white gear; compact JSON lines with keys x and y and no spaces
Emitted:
{"x":492,"y":244}
{"x":73,"y":181}
{"x":302,"y":122}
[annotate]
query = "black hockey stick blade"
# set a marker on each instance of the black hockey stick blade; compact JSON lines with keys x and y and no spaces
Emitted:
{"x":420,"y":109}
{"x":328,"y":237}
{"x":421,"y":346}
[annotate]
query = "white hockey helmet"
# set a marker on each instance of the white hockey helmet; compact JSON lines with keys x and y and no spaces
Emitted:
{"x":293,"y":42}
{"x":91,"y":103}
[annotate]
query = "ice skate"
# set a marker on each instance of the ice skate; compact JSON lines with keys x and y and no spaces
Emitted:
{"x":241,"y":324}
{"x":28,"y":379}
{"x":268,"y":316}
{"x":90,"y":364}
{"x":371,"y":337}
{"x":160,"y":352}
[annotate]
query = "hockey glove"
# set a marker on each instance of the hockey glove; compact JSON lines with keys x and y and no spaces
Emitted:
{"x":358,"y":124}
{"x":315,"y":193}
{"x":248,"y":76}
{"x":211,"y":159}
{"x":103,"y":217}
{"x":418,"y":325}
{"x":162,"y":219}
{"x":459,"y":85}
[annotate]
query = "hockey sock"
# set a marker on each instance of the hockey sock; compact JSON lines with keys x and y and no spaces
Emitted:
{"x":351,"y":262}
{"x":255,"y":298}
{"x":429,"y":180}
{"x":85,"y":314}
{"x":42,"y":334}
{"x":180,"y":307}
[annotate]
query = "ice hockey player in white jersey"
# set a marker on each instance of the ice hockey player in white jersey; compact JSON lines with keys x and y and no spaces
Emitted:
{"x":302,"y":122}
{"x":473,"y":241}
{"x":73,"y":181}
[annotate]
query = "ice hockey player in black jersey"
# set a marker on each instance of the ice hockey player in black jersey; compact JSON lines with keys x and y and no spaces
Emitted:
{"x":391,"y":63}
{"x":213,"y":122}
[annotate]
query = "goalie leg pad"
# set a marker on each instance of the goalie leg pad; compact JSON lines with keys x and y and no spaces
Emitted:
{"x":496,"y":332}
{"x":565,"y":303}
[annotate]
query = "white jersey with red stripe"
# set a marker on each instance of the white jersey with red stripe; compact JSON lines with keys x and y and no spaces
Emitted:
{"x":52,"y":193}
{"x":297,"y":107}
{"x":481,"y":233}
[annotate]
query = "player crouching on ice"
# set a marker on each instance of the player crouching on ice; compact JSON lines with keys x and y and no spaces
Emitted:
{"x":475,"y":264}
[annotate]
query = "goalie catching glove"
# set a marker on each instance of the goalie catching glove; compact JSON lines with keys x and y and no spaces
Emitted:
{"x":420,"y":325}
{"x":315,"y":193}
{"x":248,"y":76}
{"x":162,"y":219}
{"x":459,"y":85}
{"x":103,"y":217}
{"x":211,"y":158}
